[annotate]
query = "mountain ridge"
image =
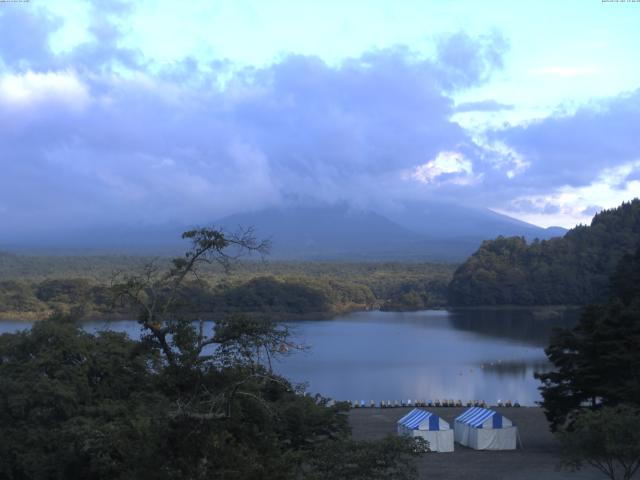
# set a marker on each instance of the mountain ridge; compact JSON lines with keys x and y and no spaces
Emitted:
{"x":375,"y":235}
{"x":321,"y":232}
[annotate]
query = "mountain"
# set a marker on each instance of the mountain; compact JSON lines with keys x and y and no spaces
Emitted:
{"x":551,"y":232}
{"x":418,"y":232}
{"x":440,"y":220}
{"x":343,"y":234}
{"x":141,"y":239}
{"x":573,"y":269}
{"x":313,"y":232}
{"x":438,"y":232}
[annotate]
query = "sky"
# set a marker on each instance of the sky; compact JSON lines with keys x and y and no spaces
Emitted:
{"x":152,"y":112}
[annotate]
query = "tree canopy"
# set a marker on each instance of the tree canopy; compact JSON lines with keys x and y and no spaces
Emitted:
{"x":31,"y":288}
{"x":607,"y":439}
{"x":570,"y":270}
{"x":190,"y":400}
{"x":598,"y":362}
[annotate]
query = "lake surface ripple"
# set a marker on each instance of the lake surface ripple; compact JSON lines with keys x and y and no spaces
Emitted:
{"x":471,"y":354}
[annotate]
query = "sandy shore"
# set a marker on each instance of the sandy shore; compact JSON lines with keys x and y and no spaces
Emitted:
{"x":537,"y":460}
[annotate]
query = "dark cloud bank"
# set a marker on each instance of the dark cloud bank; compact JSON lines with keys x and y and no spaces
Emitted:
{"x":102,"y":136}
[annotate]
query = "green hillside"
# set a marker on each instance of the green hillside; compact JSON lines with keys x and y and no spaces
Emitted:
{"x":570,"y":270}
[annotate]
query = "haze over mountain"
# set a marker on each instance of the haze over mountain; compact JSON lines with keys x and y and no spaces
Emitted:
{"x":434,"y":232}
{"x":442,"y":220}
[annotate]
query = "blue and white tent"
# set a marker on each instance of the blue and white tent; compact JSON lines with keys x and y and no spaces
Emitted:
{"x":427,"y":425}
{"x":483,"y":429}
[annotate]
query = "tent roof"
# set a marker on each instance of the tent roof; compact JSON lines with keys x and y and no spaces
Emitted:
{"x":415,"y":417}
{"x":476,"y":416}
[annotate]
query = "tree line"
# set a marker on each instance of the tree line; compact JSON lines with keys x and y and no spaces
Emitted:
{"x":284,"y":290}
{"x":570,"y":270}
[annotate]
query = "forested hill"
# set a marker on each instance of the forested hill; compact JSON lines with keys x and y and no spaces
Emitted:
{"x":573,"y":269}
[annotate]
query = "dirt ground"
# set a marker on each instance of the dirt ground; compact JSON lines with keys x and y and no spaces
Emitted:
{"x":538,"y":459}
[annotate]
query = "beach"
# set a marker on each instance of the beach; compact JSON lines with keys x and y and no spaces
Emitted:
{"x":537,"y":459}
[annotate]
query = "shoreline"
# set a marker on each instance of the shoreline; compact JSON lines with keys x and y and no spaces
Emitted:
{"x":540,"y":311}
{"x":30,"y":317}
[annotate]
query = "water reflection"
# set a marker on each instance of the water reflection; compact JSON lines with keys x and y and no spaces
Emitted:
{"x":426,"y":355}
{"x":515,"y":368}
{"x":530,"y":326}
{"x":483,"y":354}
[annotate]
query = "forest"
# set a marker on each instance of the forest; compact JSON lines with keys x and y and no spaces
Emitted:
{"x":31,"y":287}
{"x":185,"y":401}
{"x":570,"y":270}
{"x":591,"y":396}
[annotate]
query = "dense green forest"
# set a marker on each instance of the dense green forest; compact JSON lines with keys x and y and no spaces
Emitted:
{"x":569,"y":270}
{"x":592,"y":395}
{"x":185,"y":401}
{"x":597,"y":362}
{"x":32,"y":287}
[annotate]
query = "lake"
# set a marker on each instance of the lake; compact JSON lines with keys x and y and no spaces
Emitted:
{"x":471,"y":354}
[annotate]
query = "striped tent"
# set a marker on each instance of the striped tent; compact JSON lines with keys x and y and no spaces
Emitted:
{"x":484,"y":429}
{"x":427,"y":425}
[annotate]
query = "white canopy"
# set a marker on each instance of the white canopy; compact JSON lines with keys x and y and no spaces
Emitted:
{"x":427,"y":425}
{"x":484,"y":429}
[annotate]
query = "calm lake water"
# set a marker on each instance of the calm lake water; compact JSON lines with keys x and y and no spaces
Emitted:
{"x":484,"y":354}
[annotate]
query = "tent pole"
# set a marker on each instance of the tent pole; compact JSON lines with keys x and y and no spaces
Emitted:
{"x":519,"y":439}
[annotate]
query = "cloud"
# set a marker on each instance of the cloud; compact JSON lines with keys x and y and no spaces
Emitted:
{"x":31,"y":90}
{"x":549,"y":171}
{"x":543,"y":205}
{"x":99,"y":134}
{"x":574,"y":149}
{"x":25,"y":36}
{"x":482,"y":106}
{"x":447,"y":167}
{"x":104,"y":136}
{"x":591,"y":210}
{"x":467,"y":61}
{"x":567,"y":205}
{"x":634,"y":175}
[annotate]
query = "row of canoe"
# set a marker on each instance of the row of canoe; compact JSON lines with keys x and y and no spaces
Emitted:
{"x":424,"y":403}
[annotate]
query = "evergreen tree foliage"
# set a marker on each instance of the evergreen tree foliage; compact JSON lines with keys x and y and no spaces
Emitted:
{"x":571,"y":270}
{"x":597,"y":363}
